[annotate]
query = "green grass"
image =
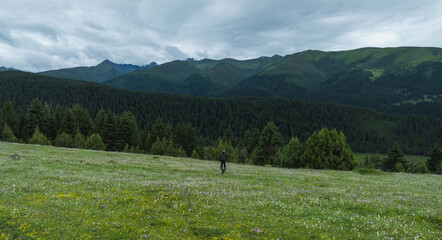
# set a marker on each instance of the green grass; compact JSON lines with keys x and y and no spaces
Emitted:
{"x":57,"y":193}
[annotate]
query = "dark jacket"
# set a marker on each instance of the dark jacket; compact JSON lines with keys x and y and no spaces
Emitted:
{"x":223,"y":157}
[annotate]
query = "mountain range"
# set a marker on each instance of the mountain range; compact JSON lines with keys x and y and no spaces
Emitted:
{"x":102,"y":72}
{"x":402,"y":80}
{"x":6,"y":69}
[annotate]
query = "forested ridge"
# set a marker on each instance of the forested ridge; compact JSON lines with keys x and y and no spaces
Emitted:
{"x":366,"y":130}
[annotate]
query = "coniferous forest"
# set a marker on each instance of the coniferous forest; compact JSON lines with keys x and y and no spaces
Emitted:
{"x":153,"y":121}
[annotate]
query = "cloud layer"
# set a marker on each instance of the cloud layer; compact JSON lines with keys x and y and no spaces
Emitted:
{"x":51,"y":34}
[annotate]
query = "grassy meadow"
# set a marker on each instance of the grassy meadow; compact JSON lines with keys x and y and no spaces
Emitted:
{"x":58,"y":193}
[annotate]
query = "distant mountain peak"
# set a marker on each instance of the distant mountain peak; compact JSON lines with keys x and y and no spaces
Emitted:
{"x":2,"y":68}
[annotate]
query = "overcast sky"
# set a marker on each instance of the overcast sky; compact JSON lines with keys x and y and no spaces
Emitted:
{"x":51,"y":34}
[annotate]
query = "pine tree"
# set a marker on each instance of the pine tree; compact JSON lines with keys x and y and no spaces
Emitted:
{"x":109,"y":132}
{"x":7,"y":134}
{"x":95,"y":142}
{"x":8,"y":116}
{"x":48,"y":124}
{"x":149,"y":142}
{"x":395,"y":156}
{"x":99,"y":121}
{"x":83,"y":121}
{"x":128,"y":130}
{"x":291,"y":154}
{"x":228,"y":136}
{"x":270,"y":142}
{"x":79,"y":140}
{"x":327,"y":149}
{"x":64,"y":140}
{"x":185,"y":136}
{"x":39,"y":138}
{"x":68,"y":123}
{"x":159,"y":147}
{"x":195,"y":155}
{"x":33,"y":117}
{"x":435,"y":158}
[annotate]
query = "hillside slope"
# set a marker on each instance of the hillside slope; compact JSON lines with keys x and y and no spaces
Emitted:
{"x":53,"y":193}
{"x":403,"y":80}
{"x":100,"y":73}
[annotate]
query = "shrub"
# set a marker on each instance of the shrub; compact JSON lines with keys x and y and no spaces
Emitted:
{"x":95,"y":142}
{"x":419,"y":168}
{"x":368,"y":171}
{"x":7,"y":134}
{"x":63,"y":140}
{"x":327,"y":149}
{"x":39,"y":138}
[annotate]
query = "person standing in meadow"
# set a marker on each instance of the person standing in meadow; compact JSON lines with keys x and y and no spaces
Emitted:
{"x":223,"y":159}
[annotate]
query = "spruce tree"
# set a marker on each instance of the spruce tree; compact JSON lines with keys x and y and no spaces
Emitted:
{"x":395,"y":156}
{"x":270,"y":142}
{"x":83,"y":120}
{"x":79,"y":140}
{"x":128,"y":130}
{"x":95,"y":142}
{"x":435,"y":158}
{"x":7,"y":134}
{"x":228,"y":136}
{"x":33,"y":117}
{"x":39,"y":138}
{"x":68,"y":123}
{"x":9,"y":117}
{"x":291,"y":154}
{"x":109,"y":132}
{"x":48,"y":123}
{"x":327,"y":149}
{"x":63,"y":140}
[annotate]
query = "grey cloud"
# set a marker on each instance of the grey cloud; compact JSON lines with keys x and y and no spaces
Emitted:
{"x":53,"y":34}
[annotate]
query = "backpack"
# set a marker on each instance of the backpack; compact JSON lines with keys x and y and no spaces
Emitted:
{"x":223,"y":157}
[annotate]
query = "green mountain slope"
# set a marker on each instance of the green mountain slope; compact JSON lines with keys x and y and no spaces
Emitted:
{"x":100,"y":73}
{"x":393,"y":80}
{"x":206,"y":77}
{"x":163,"y":78}
{"x":403,"y":80}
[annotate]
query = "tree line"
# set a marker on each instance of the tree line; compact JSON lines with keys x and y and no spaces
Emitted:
{"x":74,"y":128}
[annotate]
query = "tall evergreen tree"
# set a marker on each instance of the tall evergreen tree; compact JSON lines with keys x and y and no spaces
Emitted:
{"x":185,"y":137}
{"x":291,"y":154}
{"x":270,"y":142}
{"x":109,"y":132}
{"x":33,"y":117}
{"x":82,"y":120}
{"x":128,"y":130}
{"x":435,"y":158}
{"x":99,"y":121}
{"x":395,"y":157}
{"x":228,"y":136}
{"x":9,"y":117}
{"x":68,"y":123}
{"x":48,"y":124}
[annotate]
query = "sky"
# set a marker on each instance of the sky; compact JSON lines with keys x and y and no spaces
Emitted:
{"x":52,"y":34}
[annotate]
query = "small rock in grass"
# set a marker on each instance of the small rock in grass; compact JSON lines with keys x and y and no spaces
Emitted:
{"x":257,"y":231}
{"x":15,"y":156}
